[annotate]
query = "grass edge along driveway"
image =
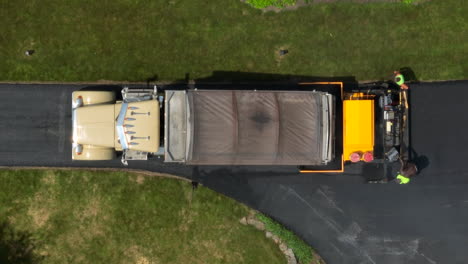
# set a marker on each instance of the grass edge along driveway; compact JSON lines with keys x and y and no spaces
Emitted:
{"x":71,"y":216}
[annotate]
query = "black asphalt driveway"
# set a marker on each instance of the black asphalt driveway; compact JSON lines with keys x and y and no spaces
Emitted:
{"x":346,"y":220}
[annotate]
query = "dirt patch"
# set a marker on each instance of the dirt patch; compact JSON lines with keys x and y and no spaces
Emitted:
{"x":142,"y":260}
{"x":49,"y":178}
{"x":93,"y":219}
{"x":140,"y":179}
{"x":212,"y":247}
{"x":187,"y":216}
{"x":42,"y":206}
{"x":134,"y":253}
{"x":39,"y":216}
{"x":278,"y":54}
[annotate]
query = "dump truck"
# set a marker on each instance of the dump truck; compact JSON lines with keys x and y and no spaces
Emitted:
{"x":316,"y":126}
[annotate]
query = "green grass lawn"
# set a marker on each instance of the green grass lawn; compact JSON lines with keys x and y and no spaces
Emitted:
{"x":133,"y":40}
{"x":117,"y":217}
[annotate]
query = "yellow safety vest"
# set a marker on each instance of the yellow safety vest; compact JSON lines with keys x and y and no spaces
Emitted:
{"x":403,"y":179}
{"x":399,"y":79}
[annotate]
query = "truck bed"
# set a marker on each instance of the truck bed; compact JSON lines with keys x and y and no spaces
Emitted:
{"x":240,"y":127}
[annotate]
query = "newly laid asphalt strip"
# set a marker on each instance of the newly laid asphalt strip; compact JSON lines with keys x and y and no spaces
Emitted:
{"x":346,"y":220}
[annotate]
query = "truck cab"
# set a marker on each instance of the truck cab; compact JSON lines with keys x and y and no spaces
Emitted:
{"x":103,"y":125}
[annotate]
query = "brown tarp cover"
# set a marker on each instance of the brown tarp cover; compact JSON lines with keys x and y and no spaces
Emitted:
{"x":255,"y":127}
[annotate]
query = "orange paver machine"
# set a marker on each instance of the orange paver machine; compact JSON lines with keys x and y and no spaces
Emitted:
{"x":371,"y":124}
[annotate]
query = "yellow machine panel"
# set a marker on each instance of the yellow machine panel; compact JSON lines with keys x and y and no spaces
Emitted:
{"x":358,"y":123}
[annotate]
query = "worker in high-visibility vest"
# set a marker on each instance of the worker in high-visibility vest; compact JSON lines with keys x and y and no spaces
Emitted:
{"x":400,"y":80}
{"x":408,"y":170}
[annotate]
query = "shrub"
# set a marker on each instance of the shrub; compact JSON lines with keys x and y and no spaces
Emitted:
{"x":303,"y":252}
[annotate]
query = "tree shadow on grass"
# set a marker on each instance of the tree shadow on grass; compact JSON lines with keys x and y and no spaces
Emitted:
{"x":16,"y":246}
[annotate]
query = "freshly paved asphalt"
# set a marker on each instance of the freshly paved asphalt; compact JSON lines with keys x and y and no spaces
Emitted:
{"x":346,"y":220}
